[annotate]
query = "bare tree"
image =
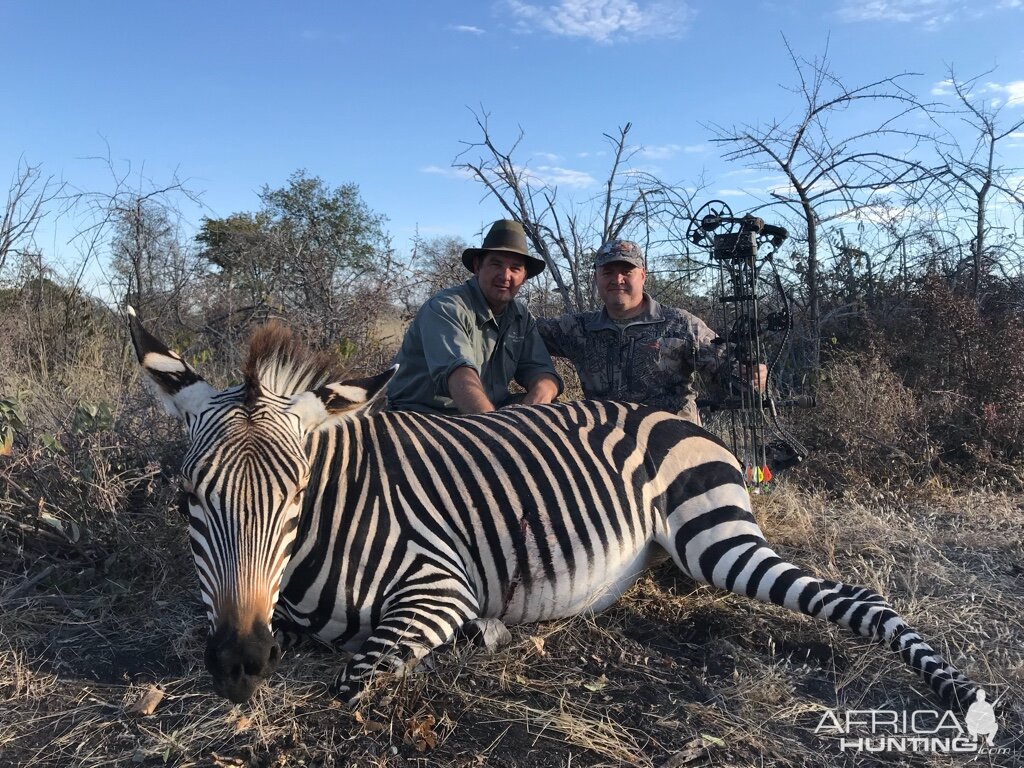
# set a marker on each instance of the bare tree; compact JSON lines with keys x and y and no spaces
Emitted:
{"x":436,"y":264}
{"x":133,"y":233}
{"x":27,"y":199}
{"x":972,"y":179}
{"x":828,"y":176}
{"x":564,"y":235}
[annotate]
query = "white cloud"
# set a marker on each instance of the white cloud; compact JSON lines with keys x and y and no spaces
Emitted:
{"x":442,"y":170}
{"x":548,"y":175}
{"x":547,"y":157}
{"x":929,"y":14}
{"x":732,"y":193}
{"x":660,"y":152}
{"x":605,"y":21}
{"x":1011,"y":94}
{"x":467,"y":28}
{"x":554,"y":175}
{"x":666,"y":151}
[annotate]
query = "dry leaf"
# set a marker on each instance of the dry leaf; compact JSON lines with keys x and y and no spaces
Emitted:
{"x":538,"y":644}
{"x":148,"y":702}
{"x":596,"y":685}
{"x":242,"y":723}
{"x":421,"y":733}
{"x":694,"y":749}
{"x":225,"y":762}
{"x":369,"y":726}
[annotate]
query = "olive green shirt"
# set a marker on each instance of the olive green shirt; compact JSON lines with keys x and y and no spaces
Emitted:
{"x":457,"y":328}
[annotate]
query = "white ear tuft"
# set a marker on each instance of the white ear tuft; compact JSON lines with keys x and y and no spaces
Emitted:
{"x":341,"y":400}
{"x":310,"y":409}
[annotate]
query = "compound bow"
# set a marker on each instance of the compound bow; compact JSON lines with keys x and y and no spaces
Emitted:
{"x":758,"y":436}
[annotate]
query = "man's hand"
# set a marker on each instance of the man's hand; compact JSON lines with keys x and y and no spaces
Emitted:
{"x":543,"y":389}
{"x":467,"y":391}
{"x":758,"y":382}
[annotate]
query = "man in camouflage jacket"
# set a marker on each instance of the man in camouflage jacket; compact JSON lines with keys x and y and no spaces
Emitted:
{"x":636,"y":350}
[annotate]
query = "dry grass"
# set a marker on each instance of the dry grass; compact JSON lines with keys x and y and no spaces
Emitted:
{"x":98,"y":601}
{"x":675,"y":674}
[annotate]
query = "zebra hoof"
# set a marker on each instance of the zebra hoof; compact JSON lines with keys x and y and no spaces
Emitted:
{"x":346,"y":692}
{"x":490,"y":634}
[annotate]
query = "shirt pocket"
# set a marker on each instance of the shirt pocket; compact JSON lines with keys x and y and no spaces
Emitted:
{"x":510,"y":354}
{"x":596,"y":370}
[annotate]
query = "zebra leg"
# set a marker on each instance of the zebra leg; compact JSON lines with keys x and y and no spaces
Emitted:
{"x":407,"y":632}
{"x":714,"y":538}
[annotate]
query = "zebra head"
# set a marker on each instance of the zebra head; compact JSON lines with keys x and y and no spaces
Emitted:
{"x":244,"y":475}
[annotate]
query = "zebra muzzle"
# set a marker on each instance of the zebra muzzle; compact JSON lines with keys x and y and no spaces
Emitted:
{"x":239,"y":662}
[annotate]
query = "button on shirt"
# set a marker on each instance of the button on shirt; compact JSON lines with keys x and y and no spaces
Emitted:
{"x":457,"y":328}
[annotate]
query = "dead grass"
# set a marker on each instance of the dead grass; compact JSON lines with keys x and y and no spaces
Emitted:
{"x":675,"y":674}
{"x":98,"y":601}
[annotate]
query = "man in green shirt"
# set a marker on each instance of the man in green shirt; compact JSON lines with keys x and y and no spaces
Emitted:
{"x":468,"y":342}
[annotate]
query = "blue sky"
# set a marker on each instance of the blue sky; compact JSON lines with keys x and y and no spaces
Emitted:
{"x":232,"y":96}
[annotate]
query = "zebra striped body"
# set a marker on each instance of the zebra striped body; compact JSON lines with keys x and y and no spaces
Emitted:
{"x":384,"y":533}
{"x":530,"y":513}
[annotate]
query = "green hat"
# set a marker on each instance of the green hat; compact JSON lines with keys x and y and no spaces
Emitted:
{"x":505,"y":236}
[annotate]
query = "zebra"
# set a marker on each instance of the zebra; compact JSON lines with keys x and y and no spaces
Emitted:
{"x":312,"y":510}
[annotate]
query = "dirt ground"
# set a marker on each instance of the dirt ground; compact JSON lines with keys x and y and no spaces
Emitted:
{"x":673,"y":675}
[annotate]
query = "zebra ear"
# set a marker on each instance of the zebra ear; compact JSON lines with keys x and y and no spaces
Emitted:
{"x":182,"y":391}
{"x":341,"y":400}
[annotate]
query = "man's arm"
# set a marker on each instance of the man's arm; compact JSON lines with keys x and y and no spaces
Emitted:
{"x":543,"y":389}
{"x":467,"y":391}
{"x":552,"y":333}
{"x":536,"y":373}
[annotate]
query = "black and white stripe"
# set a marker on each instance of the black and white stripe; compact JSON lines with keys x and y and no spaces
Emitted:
{"x":387,"y":532}
{"x":415,"y":524}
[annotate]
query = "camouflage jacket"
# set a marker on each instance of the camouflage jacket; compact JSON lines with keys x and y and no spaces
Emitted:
{"x":651,"y":359}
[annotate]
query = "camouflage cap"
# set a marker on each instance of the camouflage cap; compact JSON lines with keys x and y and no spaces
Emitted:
{"x":619,"y":250}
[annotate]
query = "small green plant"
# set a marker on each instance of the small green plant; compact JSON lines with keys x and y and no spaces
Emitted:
{"x":11,"y":422}
{"x":91,"y":418}
{"x":52,"y":444}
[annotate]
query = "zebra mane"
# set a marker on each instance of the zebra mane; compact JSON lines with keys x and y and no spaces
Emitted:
{"x":281,"y":363}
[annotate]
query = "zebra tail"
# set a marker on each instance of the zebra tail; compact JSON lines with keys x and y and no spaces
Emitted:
{"x":858,"y":609}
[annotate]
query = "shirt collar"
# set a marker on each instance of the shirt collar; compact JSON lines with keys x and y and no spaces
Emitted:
{"x":652,"y":314}
{"x":483,"y":309}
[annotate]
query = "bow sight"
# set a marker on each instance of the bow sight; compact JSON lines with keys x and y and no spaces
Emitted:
{"x":734,"y":243}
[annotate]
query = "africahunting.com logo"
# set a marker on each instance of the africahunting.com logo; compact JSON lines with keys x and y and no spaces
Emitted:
{"x":923,"y":730}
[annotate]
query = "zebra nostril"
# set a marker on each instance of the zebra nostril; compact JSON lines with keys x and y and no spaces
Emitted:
{"x":236,"y":671}
{"x":275,"y":654}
